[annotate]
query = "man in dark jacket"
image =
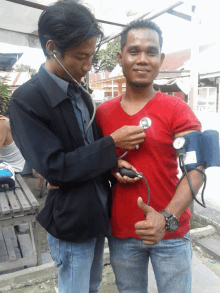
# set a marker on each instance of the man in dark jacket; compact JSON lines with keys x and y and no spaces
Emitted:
{"x":49,"y":116}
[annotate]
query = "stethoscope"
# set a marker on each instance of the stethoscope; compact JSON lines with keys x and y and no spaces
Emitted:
{"x":145,"y":123}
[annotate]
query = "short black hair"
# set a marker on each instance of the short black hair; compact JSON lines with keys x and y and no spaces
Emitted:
{"x":67,"y":24}
{"x":140,"y":24}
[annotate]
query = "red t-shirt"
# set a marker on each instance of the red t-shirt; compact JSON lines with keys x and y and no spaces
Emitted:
{"x":156,"y":159}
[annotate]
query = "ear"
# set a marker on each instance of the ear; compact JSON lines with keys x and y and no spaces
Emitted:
{"x":162,"y":57}
{"x":119,"y":58}
{"x":50,"y":47}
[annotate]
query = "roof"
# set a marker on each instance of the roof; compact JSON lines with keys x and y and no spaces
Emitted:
{"x":176,"y":60}
{"x":113,"y":16}
{"x":8,"y":60}
{"x":15,"y":79}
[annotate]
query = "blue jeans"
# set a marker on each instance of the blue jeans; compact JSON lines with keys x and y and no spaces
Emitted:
{"x":171,"y":261}
{"x":79,"y":264}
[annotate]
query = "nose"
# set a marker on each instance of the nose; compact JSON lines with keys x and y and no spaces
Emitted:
{"x":87,"y":65}
{"x":143,"y":58}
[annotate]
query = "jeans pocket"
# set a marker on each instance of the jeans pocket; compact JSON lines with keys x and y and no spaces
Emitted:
{"x":54,"y":245}
{"x":186,"y":237}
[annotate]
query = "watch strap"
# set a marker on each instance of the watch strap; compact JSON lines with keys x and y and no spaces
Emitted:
{"x":166,"y":214}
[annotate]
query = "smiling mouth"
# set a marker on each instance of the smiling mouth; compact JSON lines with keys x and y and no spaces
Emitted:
{"x":142,"y":71}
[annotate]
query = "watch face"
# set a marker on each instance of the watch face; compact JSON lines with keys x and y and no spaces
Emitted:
{"x":173,"y":224}
{"x":179,"y":143}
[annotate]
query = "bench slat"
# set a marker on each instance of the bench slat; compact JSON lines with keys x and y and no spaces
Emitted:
{"x":27,"y":192}
{"x":4,"y":204}
{"x":10,"y":231}
{"x":13,"y":201}
{"x":9,"y":244}
{"x":22,"y":199}
{"x":3,"y":249}
{"x":16,"y":182}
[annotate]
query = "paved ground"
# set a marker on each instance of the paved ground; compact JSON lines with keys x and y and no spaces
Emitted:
{"x":206,"y":278}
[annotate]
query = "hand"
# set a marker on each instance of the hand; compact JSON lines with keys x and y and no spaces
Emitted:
{"x":125,"y":179}
{"x":151,"y":230}
{"x":52,"y":187}
{"x":127,"y":137}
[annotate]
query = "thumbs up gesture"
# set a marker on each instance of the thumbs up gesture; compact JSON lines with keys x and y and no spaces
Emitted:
{"x":151,"y":230}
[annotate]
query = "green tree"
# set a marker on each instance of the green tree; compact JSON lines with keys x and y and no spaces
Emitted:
{"x":106,"y":58}
{"x":5,"y":95}
{"x":23,"y":68}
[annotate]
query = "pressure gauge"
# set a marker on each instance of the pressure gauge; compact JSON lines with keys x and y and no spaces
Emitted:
{"x":145,"y":123}
{"x":179,"y":143}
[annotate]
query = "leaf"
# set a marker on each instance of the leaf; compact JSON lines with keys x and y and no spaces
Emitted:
{"x":106,"y":58}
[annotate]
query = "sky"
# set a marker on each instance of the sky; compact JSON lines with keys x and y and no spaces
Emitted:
{"x":177,"y":33}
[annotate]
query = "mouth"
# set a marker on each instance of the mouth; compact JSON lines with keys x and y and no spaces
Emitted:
{"x":142,"y":70}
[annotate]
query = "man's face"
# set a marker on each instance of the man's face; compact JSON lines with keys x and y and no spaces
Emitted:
{"x":77,"y":61}
{"x":141,"y":57}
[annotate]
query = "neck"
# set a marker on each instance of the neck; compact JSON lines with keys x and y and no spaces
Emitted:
{"x":138,"y":95}
{"x":136,"y":98}
{"x":48,"y":65}
{"x":55,"y":68}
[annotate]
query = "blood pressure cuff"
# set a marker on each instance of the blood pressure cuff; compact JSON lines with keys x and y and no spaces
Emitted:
{"x":211,"y":148}
{"x":202,"y":148}
{"x":7,"y":176}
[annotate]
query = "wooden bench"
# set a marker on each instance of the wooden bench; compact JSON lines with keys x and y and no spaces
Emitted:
{"x":18,"y":207}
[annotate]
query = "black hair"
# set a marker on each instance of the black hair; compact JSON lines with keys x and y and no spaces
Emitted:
{"x":67,"y":24}
{"x":140,"y":24}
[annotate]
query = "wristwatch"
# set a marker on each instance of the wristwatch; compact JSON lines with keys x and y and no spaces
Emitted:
{"x":172,"y":223}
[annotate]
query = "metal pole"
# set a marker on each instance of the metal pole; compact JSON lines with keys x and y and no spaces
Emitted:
{"x":193,"y":94}
{"x":112,"y":88}
{"x":218,"y":95}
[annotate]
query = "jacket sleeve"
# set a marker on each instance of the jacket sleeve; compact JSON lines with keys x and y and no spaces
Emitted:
{"x":44,"y":151}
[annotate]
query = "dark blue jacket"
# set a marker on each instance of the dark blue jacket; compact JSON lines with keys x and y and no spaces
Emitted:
{"x":48,"y":135}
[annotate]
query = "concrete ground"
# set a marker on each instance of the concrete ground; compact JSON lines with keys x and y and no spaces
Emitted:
{"x":205,"y":271}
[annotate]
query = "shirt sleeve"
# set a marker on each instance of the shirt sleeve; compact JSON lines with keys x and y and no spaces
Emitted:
{"x":184,"y":119}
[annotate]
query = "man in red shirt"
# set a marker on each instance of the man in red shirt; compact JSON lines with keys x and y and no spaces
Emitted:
{"x":141,"y":232}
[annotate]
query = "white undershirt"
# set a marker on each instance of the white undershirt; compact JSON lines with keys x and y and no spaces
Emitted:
{"x":11,"y":155}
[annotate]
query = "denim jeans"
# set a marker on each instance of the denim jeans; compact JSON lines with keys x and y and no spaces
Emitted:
{"x":79,"y":264}
{"x":171,"y":261}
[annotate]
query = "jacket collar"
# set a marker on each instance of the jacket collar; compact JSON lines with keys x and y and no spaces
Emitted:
{"x":56,"y":88}
{"x":56,"y":95}
{"x":55,"y":92}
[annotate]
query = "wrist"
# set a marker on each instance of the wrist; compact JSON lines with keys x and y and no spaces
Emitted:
{"x":171,"y":221}
{"x":114,"y":139}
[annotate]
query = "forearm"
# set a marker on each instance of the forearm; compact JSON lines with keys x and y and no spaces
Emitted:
{"x":183,"y":196}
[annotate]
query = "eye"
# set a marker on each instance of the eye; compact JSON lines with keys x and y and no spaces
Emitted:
{"x":81,"y":58}
{"x":152,"y":53}
{"x":133,"y":52}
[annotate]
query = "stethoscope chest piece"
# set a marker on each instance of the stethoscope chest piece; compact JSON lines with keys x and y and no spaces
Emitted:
{"x":145,"y":123}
